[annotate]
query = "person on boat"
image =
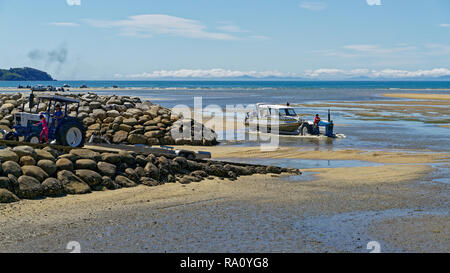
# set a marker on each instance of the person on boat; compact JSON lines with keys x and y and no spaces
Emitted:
{"x":288,"y":104}
{"x":316,"y":124}
{"x":44,"y":131}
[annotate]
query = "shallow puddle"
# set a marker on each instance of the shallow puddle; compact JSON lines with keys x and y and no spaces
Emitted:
{"x":302,"y":163}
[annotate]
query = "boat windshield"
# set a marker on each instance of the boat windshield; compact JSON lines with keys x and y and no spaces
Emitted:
{"x":287,"y":112}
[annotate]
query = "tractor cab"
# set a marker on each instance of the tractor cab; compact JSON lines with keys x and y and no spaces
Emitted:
{"x":65,"y":130}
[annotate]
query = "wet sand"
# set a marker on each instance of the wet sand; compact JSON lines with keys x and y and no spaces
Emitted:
{"x":426,"y":108}
{"x":343,"y":154}
{"x":419,"y":96}
{"x":261,"y":213}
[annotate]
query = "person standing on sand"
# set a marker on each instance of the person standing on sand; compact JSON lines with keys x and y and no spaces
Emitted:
{"x":44,"y":131}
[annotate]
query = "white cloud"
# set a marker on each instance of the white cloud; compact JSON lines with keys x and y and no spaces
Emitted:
{"x":314,"y":6}
{"x":73,"y":2}
{"x":149,"y":24}
{"x":205,"y":73}
{"x":438,"y":49}
{"x":444,"y":25}
{"x":373,"y":2}
{"x":231,"y":28}
{"x":367,"y":48}
{"x":385,"y":73}
{"x":259,"y":37}
{"x":64,"y":24}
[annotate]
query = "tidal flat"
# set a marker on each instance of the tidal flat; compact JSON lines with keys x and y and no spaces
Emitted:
{"x":387,"y":187}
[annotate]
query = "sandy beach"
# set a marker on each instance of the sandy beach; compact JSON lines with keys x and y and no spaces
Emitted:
{"x":257,"y":213}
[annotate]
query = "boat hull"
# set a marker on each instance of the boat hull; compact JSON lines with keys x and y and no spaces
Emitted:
{"x":284,"y":127}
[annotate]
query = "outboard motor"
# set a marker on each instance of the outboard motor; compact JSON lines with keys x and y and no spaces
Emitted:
{"x":329,"y":126}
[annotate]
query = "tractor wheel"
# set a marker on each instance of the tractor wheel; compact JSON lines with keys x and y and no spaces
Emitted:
{"x":71,"y":134}
{"x":33,"y":138}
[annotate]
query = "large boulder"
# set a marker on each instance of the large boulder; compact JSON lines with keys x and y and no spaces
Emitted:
{"x":130,"y":121}
{"x":199,"y":173}
{"x":7,"y":196}
{"x":107,"y":169}
{"x":137,"y":139}
{"x":11,"y":167}
{"x":147,"y":181}
{"x":29,"y":187}
{"x":48,"y":166}
{"x":25,"y":151}
{"x":69,"y":156}
{"x":8,"y":155}
{"x":88,"y":164}
{"x":132,"y":174}
{"x":127,"y":157}
{"x":125,"y":127}
{"x":120,"y":136}
{"x":109,"y":183}
{"x":52,"y":151}
{"x":13,"y":182}
{"x":124,"y":182}
{"x":91,"y":177}
{"x":72,"y":183}
{"x":111,"y":158}
{"x":42,"y":154}
{"x":52,"y":187}
{"x":99,"y":114}
{"x":113,"y":113}
{"x":27,"y":160}
{"x":5,"y":183}
{"x":86,"y":154}
{"x":151,"y":170}
{"x":64,"y":164}
{"x":36,"y":172}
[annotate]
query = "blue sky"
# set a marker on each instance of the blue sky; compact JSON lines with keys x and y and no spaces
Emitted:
{"x":149,"y":39}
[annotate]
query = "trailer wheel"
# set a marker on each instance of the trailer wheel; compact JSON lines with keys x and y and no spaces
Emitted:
{"x":305,"y":130}
{"x":33,"y":138}
{"x":72,"y":134}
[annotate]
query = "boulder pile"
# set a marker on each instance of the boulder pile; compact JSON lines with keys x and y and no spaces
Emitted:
{"x":28,"y":173}
{"x":121,"y":119}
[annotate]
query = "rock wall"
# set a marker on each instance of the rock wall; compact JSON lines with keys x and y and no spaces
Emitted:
{"x":122,"y":119}
{"x":27,"y":173}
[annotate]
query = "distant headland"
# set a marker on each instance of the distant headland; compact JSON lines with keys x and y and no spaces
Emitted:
{"x":24,"y":74}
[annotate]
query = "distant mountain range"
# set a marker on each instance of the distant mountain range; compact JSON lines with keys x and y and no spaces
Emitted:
{"x":24,"y":74}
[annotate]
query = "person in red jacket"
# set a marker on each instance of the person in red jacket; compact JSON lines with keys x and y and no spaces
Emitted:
{"x":316,"y":124}
{"x":44,"y":132}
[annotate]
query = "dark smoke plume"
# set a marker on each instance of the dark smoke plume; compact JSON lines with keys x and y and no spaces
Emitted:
{"x":58,"y":55}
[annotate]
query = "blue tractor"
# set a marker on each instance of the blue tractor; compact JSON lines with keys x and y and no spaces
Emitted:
{"x":308,"y":128}
{"x":68,"y":131}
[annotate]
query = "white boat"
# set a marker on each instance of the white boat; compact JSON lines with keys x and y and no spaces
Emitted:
{"x":266,"y":114}
{"x":289,"y":121}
